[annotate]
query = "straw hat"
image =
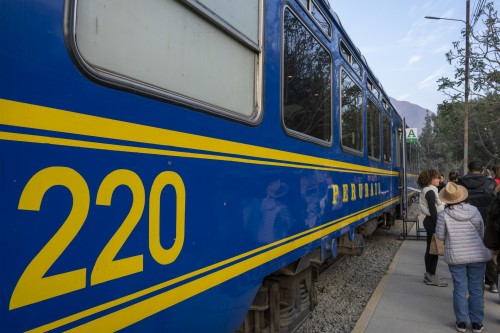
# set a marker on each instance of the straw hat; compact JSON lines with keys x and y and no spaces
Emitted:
{"x":453,"y":193}
{"x":277,"y":189}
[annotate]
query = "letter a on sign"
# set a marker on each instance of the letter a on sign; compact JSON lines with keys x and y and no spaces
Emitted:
{"x":411,"y":135}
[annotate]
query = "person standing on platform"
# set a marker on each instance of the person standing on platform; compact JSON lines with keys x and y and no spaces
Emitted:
{"x":494,"y":173}
{"x":453,"y":176}
{"x":481,"y":191}
{"x":461,"y":228}
{"x":442,"y":183}
{"x":492,"y":232}
{"x":430,"y":206}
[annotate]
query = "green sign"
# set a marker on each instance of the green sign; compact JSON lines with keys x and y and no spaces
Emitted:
{"x":411,"y":135}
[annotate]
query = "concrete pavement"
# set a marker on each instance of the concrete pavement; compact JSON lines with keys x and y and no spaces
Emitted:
{"x":403,"y":303}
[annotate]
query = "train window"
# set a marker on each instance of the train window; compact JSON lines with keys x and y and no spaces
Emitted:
{"x":320,"y":18}
{"x":373,"y":88}
{"x":242,"y":15}
{"x":307,"y":82}
{"x":357,"y":67}
{"x":351,"y":113}
{"x":389,"y":109}
{"x":176,"y":50}
{"x":384,"y":104}
{"x":347,"y":55}
{"x":387,"y":106}
{"x":373,"y":132}
{"x":344,"y":51}
{"x":387,"y":138}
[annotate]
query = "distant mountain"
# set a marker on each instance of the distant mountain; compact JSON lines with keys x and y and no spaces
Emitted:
{"x":413,"y":113}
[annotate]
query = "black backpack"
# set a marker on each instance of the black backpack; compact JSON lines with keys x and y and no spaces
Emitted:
{"x":480,"y":197}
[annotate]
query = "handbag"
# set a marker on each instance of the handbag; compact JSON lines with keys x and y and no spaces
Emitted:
{"x":437,"y":246}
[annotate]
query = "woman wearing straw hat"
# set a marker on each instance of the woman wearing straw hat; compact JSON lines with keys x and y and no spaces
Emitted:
{"x":461,"y":227}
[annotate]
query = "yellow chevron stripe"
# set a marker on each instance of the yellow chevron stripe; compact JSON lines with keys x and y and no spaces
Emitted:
{"x":152,"y":151}
{"x":43,"y":118}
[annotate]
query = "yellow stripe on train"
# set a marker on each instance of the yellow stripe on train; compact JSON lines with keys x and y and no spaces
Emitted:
{"x":44,"y":118}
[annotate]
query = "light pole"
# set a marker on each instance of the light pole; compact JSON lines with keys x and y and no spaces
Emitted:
{"x":466,"y":92}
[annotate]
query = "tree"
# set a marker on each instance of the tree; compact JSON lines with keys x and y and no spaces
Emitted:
{"x":484,"y":108}
{"x":428,"y":151}
{"x":426,"y":137}
{"x":449,"y":134}
{"x":484,"y":73}
{"x":484,"y":133}
{"x":446,"y":141}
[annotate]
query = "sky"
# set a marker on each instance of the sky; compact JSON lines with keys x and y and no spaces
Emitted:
{"x":405,"y":51}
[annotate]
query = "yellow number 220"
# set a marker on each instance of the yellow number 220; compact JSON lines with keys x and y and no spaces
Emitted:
{"x":33,"y":286}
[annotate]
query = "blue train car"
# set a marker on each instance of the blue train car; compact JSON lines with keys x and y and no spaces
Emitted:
{"x":175,"y":165}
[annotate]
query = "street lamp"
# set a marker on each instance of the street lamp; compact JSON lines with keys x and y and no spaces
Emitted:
{"x":466,"y":92}
{"x":443,"y":18}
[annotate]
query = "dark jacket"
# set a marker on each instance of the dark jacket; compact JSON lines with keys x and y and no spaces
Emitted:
{"x":492,"y":233}
{"x":481,"y":191}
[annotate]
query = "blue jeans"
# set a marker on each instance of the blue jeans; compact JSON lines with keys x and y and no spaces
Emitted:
{"x":468,"y":278}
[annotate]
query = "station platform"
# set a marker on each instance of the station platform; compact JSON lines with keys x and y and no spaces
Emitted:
{"x":402,"y":302}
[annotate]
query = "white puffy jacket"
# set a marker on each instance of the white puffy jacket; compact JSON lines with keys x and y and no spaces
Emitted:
{"x":462,"y":229}
{"x":424,"y":208}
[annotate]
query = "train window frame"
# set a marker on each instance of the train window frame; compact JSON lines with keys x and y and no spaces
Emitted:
{"x":378,"y":138}
{"x":304,"y":3}
{"x":387,"y":139}
{"x":346,"y":148}
{"x":349,"y":57}
{"x":309,"y":5}
{"x":327,"y":139}
{"x":239,"y":99}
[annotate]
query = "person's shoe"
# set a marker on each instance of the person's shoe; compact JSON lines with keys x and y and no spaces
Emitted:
{"x":461,"y":327}
{"x":494,"y":288}
{"x":443,"y":281}
{"x":435,"y":281}
{"x":427,"y":278}
{"x":477,"y":328}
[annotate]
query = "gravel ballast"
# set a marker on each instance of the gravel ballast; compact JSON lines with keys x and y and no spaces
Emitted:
{"x":345,"y":288}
